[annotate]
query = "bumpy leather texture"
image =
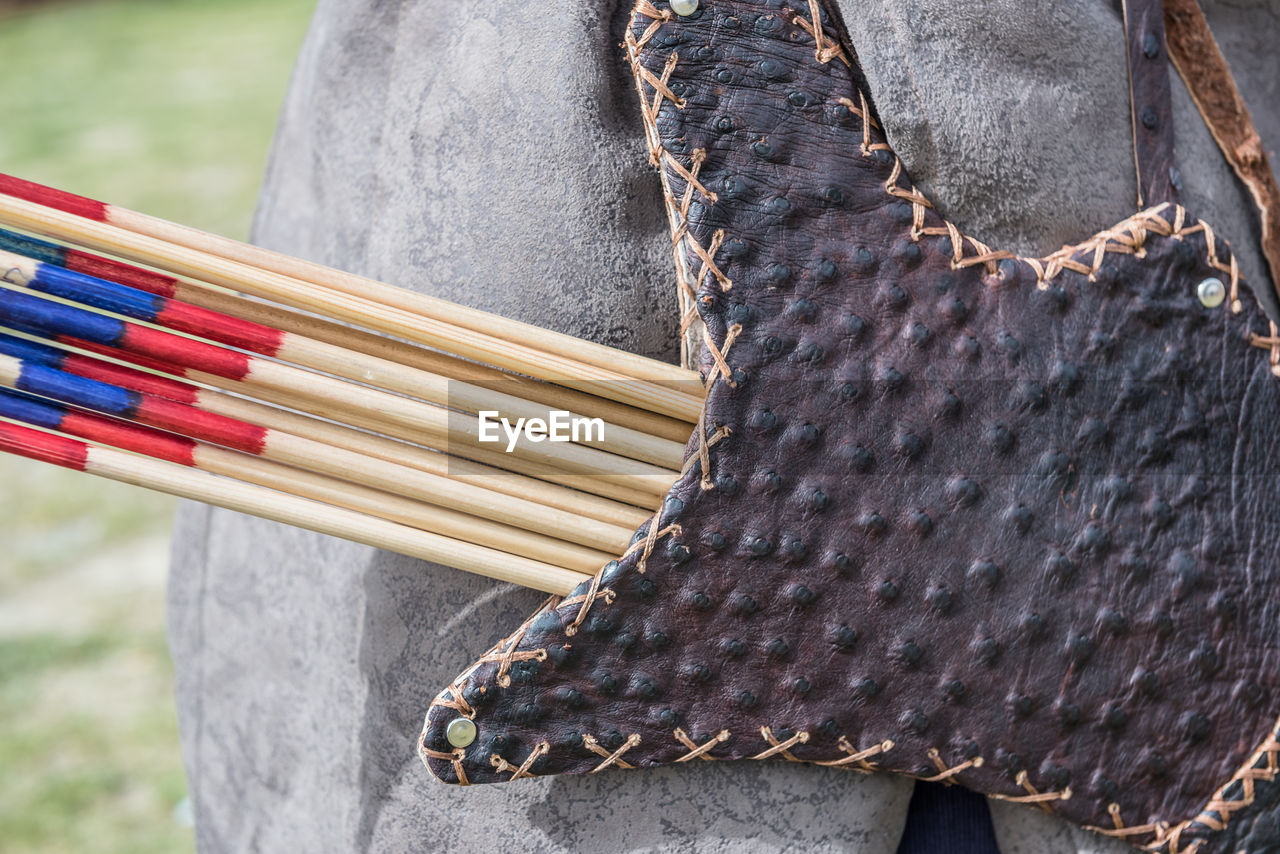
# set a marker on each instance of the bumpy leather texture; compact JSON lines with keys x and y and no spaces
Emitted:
{"x":1010,"y":523}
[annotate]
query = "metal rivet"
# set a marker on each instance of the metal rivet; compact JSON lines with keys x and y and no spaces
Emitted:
{"x":684,"y":8}
{"x":1211,"y":292}
{"x":461,"y":732}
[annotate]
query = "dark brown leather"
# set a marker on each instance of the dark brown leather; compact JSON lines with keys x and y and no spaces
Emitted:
{"x":1198,"y":59}
{"x":1008,"y":523}
{"x":1150,"y":102}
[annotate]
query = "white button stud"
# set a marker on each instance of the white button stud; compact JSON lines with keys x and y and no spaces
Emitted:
{"x":684,"y":8}
{"x":1211,"y":292}
{"x":460,"y":732}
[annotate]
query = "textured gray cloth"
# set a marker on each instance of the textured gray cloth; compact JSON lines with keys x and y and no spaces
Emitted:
{"x":490,"y":153}
{"x":1014,"y":116}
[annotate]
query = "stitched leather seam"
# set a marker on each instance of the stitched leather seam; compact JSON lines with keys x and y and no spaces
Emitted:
{"x":945,"y":774}
{"x":699,"y":751}
{"x":1263,"y":765}
{"x":540,"y":750}
{"x":610,"y":759}
{"x":1033,"y":795}
{"x":454,"y":757}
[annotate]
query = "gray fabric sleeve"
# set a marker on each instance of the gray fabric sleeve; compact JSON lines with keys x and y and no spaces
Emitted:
{"x":1013,"y":116}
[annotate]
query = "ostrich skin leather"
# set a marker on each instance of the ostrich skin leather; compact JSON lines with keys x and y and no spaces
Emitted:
{"x":1008,"y":523}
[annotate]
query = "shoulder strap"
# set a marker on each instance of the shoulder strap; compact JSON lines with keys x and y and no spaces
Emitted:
{"x":1150,"y":102}
{"x":1196,"y":55}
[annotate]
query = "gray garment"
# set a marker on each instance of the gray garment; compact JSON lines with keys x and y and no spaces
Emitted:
{"x":490,"y":153}
{"x":1013,"y":117}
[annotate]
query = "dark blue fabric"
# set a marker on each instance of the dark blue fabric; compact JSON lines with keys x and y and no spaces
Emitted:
{"x":948,"y":820}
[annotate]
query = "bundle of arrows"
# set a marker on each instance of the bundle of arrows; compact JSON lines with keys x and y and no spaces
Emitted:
{"x":158,"y":355}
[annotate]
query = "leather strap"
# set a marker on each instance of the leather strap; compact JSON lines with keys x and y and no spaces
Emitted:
{"x":1150,"y":102}
{"x":1196,"y":55}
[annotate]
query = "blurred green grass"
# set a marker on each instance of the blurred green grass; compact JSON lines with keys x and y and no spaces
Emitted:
{"x":164,"y":106}
{"x":83,"y":771}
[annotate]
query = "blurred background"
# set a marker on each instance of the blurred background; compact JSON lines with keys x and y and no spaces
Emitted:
{"x":166,"y":107}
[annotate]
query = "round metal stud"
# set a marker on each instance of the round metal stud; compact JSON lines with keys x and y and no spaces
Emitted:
{"x":684,"y":8}
{"x":460,"y":732}
{"x":1211,"y":292}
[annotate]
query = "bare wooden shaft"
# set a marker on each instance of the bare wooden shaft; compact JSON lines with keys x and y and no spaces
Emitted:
{"x":433,"y":489}
{"x":420,"y":458}
{"x":414,"y":456}
{"x":410,"y":419}
{"x":385,"y":347}
{"x":456,"y":394}
{"x":383,"y":505}
{"x":412,"y":387}
{"x":621,"y":488}
{"x":548,"y":341}
{"x":383,"y":317}
{"x":313,"y":516}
